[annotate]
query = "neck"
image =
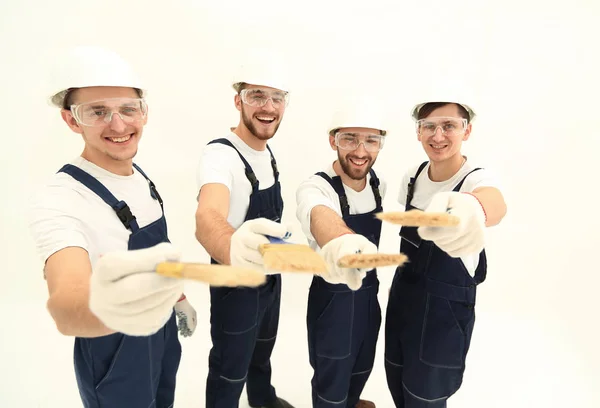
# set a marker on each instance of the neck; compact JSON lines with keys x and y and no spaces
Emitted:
{"x":119,"y":167}
{"x":356,"y":185}
{"x":444,"y":170}
{"x":248,"y":138}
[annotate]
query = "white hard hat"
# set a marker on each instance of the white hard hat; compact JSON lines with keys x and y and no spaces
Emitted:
{"x":447,"y":91}
{"x":262,"y":68}
{"x":363,"y":114}
{"x":87,"y":66}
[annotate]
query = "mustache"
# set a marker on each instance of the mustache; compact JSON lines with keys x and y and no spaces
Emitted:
{"x":358,"y":157}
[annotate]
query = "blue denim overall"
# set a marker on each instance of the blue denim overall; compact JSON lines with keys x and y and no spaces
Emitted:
{"x":244,"y":321}
{"x":429,"y":319}
{"x":121,"y":371}
{"x":343,"y":325}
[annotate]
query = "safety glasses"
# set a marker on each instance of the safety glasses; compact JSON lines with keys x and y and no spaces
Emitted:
{"x":258,"y":97}
{"x":100,"y":112}
{"x":450,"y":126}
{"x":351,"y":141}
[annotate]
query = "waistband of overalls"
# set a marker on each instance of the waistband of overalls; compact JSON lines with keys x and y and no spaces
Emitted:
{"x":462,"y":294}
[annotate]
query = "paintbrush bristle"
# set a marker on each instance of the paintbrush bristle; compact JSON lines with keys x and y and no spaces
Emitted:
{"x":371,"y":260}
{"x":290,"y":261}
{"x":418,"y":218}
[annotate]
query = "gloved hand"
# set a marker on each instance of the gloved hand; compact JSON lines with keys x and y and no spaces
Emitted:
{"x":347,"y":244}
{"x":128,"y":296}
{"x":468,"y":237}
{"x":248,"y":237}
{"x":186,"y":317}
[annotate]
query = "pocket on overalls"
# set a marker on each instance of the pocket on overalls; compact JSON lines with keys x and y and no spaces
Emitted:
{"x":105,"y":352}
{"x":333,"y":327}
{"x":130,"y":380}
{"x":443,"y":340}
{"x":239,"y":311}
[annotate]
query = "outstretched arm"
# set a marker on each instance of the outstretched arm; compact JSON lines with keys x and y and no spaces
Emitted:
{"x":493,"y":204}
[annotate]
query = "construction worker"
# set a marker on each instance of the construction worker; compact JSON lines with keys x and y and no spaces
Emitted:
{"x":239,"y":204}
{"x":336,"y":209}
{"x":430,"y":313}
{"x":99,"y":228}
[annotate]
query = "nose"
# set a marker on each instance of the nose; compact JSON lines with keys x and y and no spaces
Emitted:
{"x":116,"y":123}
{"x":269,"y":106}
{"x":438,"y":135}
{"x":361,"y":149}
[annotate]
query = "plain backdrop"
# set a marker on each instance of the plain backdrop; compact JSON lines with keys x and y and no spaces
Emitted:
{"x":534,"y":65}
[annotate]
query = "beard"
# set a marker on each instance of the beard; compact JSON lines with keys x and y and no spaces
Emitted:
{"x":252,"y":128}
{"x":352,"y":172}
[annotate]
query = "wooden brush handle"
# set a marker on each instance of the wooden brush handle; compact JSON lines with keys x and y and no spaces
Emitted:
{"x":213,"y":275}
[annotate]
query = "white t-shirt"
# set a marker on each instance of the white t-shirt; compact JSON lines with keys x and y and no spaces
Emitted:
{"x":221,"y":164}
{"x":425,"y":189}
{"x":65,"y":213}
{"x":317,"y":191}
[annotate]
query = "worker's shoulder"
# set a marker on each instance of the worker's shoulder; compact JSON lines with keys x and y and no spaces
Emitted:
{"x":59,"y":190}
{"x":318,"y":180}
{"x":220,"y":151}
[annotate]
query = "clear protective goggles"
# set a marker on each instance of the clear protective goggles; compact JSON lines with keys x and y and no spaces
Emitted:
{"x":450,"y":126}
{"x":352,"y":141}
{"x":259,"y":97}
{"x":100,"y":112}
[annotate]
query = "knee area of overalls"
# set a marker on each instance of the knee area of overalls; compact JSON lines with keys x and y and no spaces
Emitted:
{"x":418,"y":400}
{"x":332,"y":399}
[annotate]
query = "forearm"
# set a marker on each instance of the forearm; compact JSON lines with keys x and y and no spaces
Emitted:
{"x":326,"y":224}
{"x":492,"y":201}
{"x":72,"y":315}
{"x":214,"y":234}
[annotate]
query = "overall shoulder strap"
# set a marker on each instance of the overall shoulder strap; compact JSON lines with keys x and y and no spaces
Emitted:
{"x":375,"y":187}
{"x":153,"y":190}
{"x":411,"y":184}
{"x":119,"y":206}
{"x":248,"y":169}
{"x":338,"y":187}
{"x":274,"y":165}
{"x":459,"y":185}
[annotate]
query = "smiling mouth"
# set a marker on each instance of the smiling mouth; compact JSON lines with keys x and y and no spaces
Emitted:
{"x":267,"y":120}
{"x":438,"y":147}
{"x":358,"y":162}
{"x":120,"y":139}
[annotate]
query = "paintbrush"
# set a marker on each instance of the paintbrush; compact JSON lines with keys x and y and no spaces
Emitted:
{"x":283,"y":256}
{"x":280,"y":255}
{"x":418,"y":218}
{"x":213,"y":275}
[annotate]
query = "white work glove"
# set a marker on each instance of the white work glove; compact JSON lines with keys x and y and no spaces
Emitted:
{"x":186,"y":317}
{"x":348,"y":244}
{"x":248,"y":237}
{"x":468,"y":237}
{"x":128,"y":296}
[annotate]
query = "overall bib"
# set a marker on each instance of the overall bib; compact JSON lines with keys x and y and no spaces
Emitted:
{"x":429,"y":321}
{"x":244,"y":321}
{"x":121,"y":371}
{"x":343,"y":325}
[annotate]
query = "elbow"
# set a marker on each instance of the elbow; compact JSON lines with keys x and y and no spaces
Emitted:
{"x":199,"y":225}
{"x":59,"y":318}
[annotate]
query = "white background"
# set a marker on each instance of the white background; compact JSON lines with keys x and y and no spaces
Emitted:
{"x":535,"y":66}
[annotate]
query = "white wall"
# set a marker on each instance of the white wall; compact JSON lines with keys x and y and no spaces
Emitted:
{"x":535,"y":66}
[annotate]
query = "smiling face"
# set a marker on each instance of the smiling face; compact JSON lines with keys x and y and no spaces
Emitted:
{"x":111,"y":122}
{"x":442,"y":131}
{"x":261,"y":121}
{"x":356,"y":162}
